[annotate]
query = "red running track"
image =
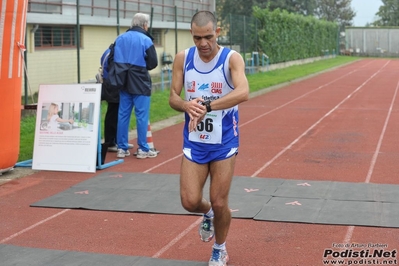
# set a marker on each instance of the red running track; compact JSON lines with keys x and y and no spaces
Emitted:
{"x":340,"y":125}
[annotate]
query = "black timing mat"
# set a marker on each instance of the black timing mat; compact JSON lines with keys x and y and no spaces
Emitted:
{"x":22,"y":256}
{"x":268,"y":199}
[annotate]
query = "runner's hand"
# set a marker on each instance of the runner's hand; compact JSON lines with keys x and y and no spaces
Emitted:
{"x":192,"y":126}
{"x":196,"y":112}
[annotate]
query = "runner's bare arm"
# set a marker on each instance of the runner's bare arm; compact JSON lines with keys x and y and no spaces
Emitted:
{"x":240,"y":83}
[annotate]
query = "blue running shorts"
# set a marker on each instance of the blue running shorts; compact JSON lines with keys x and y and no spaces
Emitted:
{"x":203,"y":157}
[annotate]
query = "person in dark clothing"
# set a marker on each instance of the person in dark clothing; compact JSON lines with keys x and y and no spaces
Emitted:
{"x":110,"y":94}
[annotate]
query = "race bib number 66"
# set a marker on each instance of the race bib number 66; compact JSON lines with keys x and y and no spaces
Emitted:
{"x":209,"y":130}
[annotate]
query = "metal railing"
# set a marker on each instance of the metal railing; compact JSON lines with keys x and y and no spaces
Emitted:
{"x":164,"y":10}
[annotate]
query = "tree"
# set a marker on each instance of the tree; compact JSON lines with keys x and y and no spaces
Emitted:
{"x":237,"y":21}
{"x":237,"y":7}
{"x":388,"y":13}
{"x":302,"y":7}
{"x":339,"y":11}
{"x":245,"y":7}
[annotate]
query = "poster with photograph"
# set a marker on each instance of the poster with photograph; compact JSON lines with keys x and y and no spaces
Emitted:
{"x":67,"y":124}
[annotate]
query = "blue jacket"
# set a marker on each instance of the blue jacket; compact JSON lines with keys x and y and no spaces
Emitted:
{"x":134,"y":56}
{"x":104,"y":63}
{"x":109,"y":93}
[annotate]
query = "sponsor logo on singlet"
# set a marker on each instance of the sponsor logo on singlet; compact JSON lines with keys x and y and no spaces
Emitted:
{"x":191,"y":86}
{"x":204,"y":87}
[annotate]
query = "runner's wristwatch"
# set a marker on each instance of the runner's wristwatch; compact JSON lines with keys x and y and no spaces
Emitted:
{"x":207,"y":104}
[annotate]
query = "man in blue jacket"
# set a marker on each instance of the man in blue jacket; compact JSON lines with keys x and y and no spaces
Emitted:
{"x":134,"y":56}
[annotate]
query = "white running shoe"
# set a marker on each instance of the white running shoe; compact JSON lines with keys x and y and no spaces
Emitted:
{"x":206,"y":229}
{"x":122,"y":154}
{"x":146,"y":154}
{"x":219,"y":257}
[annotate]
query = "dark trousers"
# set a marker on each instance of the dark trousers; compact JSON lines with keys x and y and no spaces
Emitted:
{"x":111,"y":124}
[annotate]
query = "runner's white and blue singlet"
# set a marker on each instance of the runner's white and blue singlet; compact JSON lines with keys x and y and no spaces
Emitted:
{"x":210,"y":81}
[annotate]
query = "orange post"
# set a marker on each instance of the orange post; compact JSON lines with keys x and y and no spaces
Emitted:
{"x":149,"y":139}
{"x":12,"y":43}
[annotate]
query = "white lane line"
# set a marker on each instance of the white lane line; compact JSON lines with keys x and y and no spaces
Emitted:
{"x":349,"y":232}
{"x":33,"y":226}
{"x":164,"y":162}
{"x":293,"y":100}
{"x":64,"y":211}
{"x":315,"y":124}
{"x":266,"y":113}
{"x":377,"y":150}
{"x":177,"y":238}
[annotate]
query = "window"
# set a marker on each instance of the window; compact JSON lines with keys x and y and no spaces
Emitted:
{"x":45,"y":6}
{"x":157,"y":35}
{"x":55,"y":37}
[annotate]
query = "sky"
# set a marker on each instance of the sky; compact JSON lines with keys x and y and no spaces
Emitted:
{"x":365,"y":11}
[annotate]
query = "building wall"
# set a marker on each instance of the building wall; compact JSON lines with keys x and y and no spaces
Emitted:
{"x":372,"y":41}
{"x":60,"y":66}
{"x":98,"y":31}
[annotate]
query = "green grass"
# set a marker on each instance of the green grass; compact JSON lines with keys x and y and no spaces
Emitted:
{"x":263,"y":80}
{"x":27,"y":137}
{"x":160,"y":109}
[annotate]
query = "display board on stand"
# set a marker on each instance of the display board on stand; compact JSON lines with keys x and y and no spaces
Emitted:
{"x":67,"y":128}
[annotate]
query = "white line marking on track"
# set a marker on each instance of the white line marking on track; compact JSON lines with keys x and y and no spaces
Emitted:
{"x":256,"y":118}
{"x":177,"y":238}
{"x":293,"y":100}
{"x":158,"y":165}
{"x":349,"y":232}
{"x":314,"y":125}
{"x":33,"y":226}
{"x":377,"y":150}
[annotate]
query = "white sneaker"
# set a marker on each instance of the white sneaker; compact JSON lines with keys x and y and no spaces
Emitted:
{"x":151,"y":149}
{"x":115,"y":148}
{"x":122,"y":154}
{"x":206,"y":229}
{"x":143,"y":154}
{"x":219,"y":257}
